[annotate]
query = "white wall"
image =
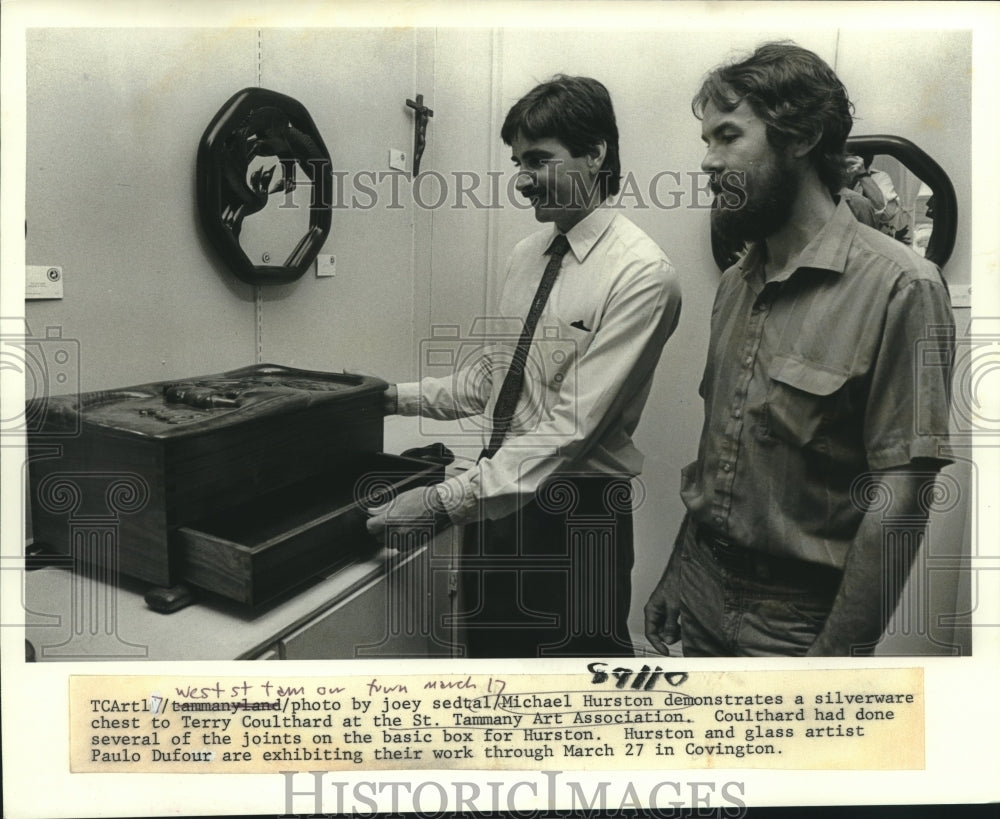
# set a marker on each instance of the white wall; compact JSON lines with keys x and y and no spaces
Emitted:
{"x":917,"y":86}
{"x":354,"y":84}
{"x":113,"y":123}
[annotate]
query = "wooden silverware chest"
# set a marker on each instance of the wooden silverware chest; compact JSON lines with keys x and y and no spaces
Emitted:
{"x":246,"y":483}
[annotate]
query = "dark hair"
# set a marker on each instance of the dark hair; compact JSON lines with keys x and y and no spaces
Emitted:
{"x":796,"y":94}
{"x":578,"y":112}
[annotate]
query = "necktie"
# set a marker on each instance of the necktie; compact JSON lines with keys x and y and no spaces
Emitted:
{"x":510,"y":390}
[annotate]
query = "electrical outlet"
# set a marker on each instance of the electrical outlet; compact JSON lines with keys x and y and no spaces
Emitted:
{"x":961,"y":295}
{"x":397,"y":159}
{"x":326,"y":265}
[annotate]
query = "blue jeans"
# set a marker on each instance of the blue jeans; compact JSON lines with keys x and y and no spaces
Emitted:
{"x":739,"y":602}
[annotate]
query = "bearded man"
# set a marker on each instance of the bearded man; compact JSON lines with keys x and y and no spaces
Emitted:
{"x":823,"y":421}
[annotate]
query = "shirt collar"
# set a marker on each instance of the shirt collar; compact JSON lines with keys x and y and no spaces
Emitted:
{"x":827,"y":250}
{"x":585,"y":234}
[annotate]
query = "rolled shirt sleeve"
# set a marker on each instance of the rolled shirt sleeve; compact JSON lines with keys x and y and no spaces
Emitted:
{"x":907,"y":414}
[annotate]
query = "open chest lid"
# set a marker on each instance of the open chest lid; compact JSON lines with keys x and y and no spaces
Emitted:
{"x":208,"y":403}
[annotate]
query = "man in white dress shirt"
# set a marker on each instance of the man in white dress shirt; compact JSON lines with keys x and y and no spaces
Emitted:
{"x":548,"y":507}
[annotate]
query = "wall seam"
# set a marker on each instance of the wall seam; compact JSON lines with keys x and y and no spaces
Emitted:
{"x":492,"y":222}
{"x":258,"y":289}
{"x":413,"y":224}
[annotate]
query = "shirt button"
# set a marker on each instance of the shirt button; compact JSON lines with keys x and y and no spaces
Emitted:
{"x":727,"y":468}
{"x":737,"y":413}
{"x":718,"y":520}
{"x":748,"y":361}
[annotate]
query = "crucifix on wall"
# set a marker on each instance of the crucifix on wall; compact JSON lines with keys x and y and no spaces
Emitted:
{"x":422,"y":115}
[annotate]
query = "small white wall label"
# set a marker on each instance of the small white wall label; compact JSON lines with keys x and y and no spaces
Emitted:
{"x":43,"y":281}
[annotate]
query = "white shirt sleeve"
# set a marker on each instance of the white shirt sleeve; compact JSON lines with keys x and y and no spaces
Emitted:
{"x":460,"y":395}
{"x":616,"y":367}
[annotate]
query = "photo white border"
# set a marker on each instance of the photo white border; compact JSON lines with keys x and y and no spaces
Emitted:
{"x":963,"y":714}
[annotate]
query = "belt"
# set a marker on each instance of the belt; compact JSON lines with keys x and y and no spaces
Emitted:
{"x":754,"y":564}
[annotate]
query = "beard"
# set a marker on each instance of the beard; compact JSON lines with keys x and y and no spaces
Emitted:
{"x":758,"y":205}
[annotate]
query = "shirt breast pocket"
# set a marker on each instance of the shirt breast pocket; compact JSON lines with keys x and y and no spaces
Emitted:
{"x":557,"y":347}
{"x":805,"y":400}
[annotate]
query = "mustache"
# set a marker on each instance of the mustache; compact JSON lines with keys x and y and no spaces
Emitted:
{"x":556,"y":198}
{"x":727,"y":181}
{"x":730,"y":188}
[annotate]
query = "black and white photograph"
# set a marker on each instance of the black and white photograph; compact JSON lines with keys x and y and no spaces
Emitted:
{"x":630,"y":341}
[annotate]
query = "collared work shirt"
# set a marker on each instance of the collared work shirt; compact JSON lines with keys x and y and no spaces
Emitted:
{"x":836,"y":369}
{"x":589,"y":371}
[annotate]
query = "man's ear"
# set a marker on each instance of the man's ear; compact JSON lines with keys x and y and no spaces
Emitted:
{"x":799,"y":148}
{"x":596,"y":155}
